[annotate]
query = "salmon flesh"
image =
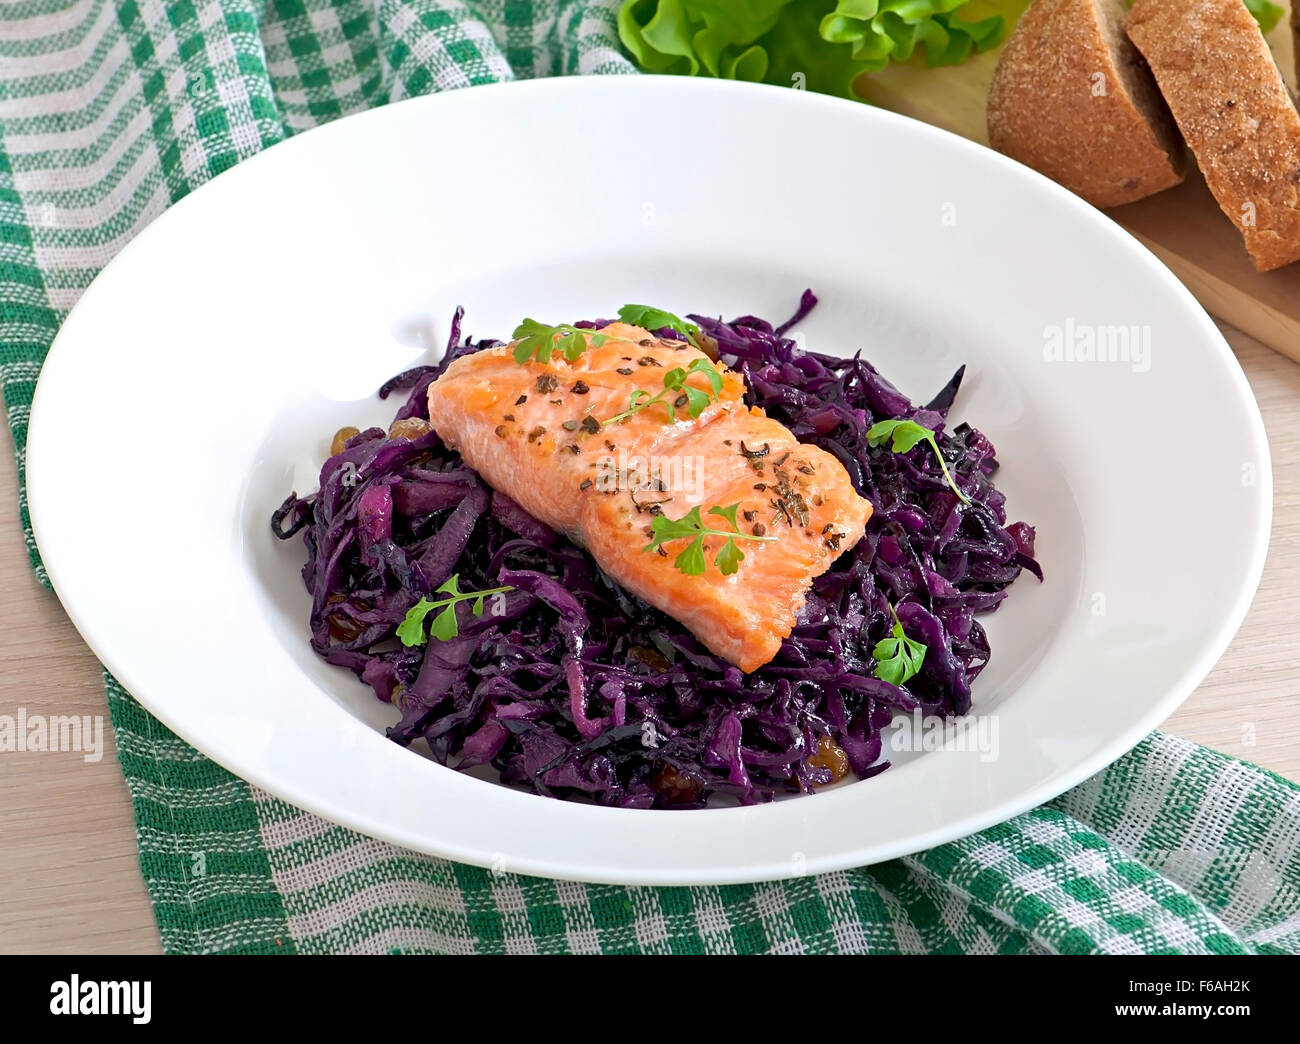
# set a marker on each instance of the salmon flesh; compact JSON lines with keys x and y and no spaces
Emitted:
{"x":544,"y":434}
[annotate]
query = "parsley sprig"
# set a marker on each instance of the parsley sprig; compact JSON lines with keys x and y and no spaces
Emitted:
{"x":675,"y":387}
{"x":897,"y":657}
{"x":691,"y":560}
{"x":649,"y":318}
{"x":537,"y":340}
{"x":905,"y":434}
{"x":445,"y":625}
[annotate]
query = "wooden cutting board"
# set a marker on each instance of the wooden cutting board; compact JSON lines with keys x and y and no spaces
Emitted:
{"x":1184,"y":226}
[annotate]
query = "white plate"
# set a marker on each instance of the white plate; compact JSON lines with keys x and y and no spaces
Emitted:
{"x":201,"y":375}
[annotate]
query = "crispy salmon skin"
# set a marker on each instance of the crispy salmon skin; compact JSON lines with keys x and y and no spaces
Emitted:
{"x":543,"y":434}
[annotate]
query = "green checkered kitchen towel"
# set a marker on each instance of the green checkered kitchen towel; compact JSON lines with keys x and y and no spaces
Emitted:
{"x":111,"y":111}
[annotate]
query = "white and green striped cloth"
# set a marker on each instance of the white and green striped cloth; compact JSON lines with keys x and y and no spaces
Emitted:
{"x":109,"y":112}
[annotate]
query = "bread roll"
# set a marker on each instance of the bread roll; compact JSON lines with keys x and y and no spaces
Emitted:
{"x":1216,"y":72}
{"x":1072,"y":98}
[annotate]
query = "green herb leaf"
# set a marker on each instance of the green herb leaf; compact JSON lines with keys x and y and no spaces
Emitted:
{"x":665,"y":528}
{"x":691,"y":560}
{"x":411,"y":630}
{"x":696,"y":401}
{"x":729,"y":557}
{"x":904,"y":436}
{"x":445,"y":625}
{"x":710,"y":372}
{"x":899,"y":657}
{"x":539,"y":341}
{"x":674,"y":385}
{"x":729,"y":513}
{"x":649,"y":318}
{"x":530,"y":336}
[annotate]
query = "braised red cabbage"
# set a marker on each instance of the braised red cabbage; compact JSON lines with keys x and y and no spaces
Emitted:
{"x":577,"y":689}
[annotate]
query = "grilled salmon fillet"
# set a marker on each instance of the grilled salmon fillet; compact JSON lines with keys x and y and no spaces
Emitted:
{"x":535,"y":431}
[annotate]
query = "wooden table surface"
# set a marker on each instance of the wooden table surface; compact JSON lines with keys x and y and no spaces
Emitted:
{"x":69,"y":877}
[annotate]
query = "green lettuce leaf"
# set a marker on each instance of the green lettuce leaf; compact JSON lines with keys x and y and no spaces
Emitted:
{"x":1266,"y":14}
{"x":882,"y":31}
{"x":798,"y":56}
{"x":820,"y":45}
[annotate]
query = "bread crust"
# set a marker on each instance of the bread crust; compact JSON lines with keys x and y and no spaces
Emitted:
{"x":1233,"y":107}
{"x":1072,"y":98}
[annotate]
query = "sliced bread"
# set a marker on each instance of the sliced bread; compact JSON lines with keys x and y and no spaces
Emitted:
{"x":1072,"y":98}
{"x":1217,"y":74}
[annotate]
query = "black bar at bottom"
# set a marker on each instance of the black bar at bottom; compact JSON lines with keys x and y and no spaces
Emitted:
{"x":142,"y":993}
